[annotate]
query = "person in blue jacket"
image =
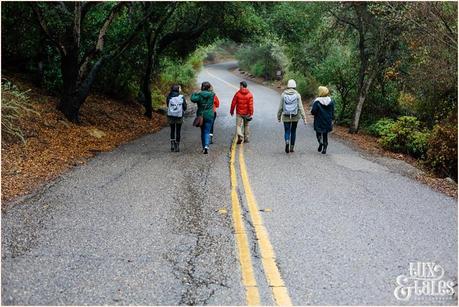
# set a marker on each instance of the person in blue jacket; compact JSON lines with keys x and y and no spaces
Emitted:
{"x":323,"y":110}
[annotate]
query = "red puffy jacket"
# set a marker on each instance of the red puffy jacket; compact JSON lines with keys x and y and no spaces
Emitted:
{"x":216,"y":103}
{"x":243,"y":102}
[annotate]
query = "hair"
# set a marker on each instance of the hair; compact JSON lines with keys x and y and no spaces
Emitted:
{"x":323,"y":91}
{"x":205,"y":86}
{"x":243,"y":84}
{"x":175,"y":88}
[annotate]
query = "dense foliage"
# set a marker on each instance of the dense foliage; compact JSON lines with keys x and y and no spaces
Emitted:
{"x":391,"y":66}
{"x":119,"y":48}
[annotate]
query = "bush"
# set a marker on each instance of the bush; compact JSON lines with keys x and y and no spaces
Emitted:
{"x":442,"y":148}
{"x":262,"y":60}
{"x":406,"y":135}
{"x":15,"y":103}
{"x":306,"y":84}
{"x":258,"y":69}
{"x":381,"y":127}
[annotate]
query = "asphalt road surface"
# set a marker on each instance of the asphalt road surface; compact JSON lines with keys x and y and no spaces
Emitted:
{"x":243,"y":225}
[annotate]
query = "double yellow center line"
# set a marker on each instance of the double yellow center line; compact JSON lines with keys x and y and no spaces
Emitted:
{"x":268,"y":258}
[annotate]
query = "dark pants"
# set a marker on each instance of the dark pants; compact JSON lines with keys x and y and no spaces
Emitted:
{"x":290,"y":132}
{"x":213,"y":122}
{"x":175,"y":132}
{"x":322,"y":138}
{"x":205,"y":132}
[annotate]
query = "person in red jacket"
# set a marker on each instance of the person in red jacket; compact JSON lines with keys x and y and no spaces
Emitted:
{"x":243,"y":102}
{"x":216,"y":105}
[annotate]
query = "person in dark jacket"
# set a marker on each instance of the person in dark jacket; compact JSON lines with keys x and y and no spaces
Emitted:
{"x":205,"y":99}
{"x":243,"y":103}
{"x":176,"y":106}
{"x":323,"y":110}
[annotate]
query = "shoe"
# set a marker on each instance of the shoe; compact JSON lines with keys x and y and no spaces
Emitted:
{"x":292,"y":148}
{"x":206,"y":151}
{"x":172,"y":146}
{"x":246,"y":140}
{"x":211,"y":138}
{"x":320,"y":148}
{"x":177,"y":147}
{"x":287,"y":147}
{"x":239,"y":140}
{"x":324,"y":150}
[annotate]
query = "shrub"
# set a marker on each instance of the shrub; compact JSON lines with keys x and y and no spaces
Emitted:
{"x":258,"y":69}
{"x":306,"y":84}
{"x":381,"y":127}
{"x":15,"y":103}
{"x":263,"y":59}
{"x":406,"y":135}
{"x":442,"y":148}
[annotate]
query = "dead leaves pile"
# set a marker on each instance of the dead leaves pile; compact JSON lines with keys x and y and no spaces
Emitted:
{"x":54,"y":144}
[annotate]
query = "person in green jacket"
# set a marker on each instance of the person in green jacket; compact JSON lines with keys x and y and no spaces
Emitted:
{"x":205,"y":100}
{"x":290,"y":110}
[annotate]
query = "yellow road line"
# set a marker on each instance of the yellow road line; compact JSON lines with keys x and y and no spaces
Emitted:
{"x":242,"y":241}
{"x":268,"y":257}
{"x":220,"y":79}
{"x":271,"y":270}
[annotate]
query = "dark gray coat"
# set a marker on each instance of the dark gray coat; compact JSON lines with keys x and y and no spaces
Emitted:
{"x":323,"y":110}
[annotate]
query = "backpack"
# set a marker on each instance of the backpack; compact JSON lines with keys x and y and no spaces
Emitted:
{"x":291,"y":104}
{"x":175,"y":106}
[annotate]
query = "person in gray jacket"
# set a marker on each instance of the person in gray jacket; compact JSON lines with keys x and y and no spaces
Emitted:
{"x":290,"y":110}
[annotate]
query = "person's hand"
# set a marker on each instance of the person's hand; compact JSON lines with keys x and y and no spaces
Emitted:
{"x":231,"y":114}
{"x":279,"y":120}
{"x":305,"y":121}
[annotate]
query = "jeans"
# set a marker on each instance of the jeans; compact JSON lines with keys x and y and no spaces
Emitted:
{"x":175,"y":132}
{"x":290,"y":132}
{"x":205,"y":132}
{"x":242,"y":127}
{"x":213,"y":122}
{"x":322,"y":138}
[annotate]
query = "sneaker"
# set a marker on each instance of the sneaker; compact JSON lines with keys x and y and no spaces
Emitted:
{"x":287,"y":147}
{"x":206,"y":151}
{"x":291,"y":148}
{"x":211,"y":138}
{"x":239,"y":140}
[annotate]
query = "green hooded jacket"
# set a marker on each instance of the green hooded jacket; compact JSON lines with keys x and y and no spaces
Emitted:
{"x":205,"y":102}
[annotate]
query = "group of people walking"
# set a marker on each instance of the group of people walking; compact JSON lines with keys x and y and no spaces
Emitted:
{"x":290,"y":112}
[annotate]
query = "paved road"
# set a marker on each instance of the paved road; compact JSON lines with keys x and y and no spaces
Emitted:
{"x":144,"y":226}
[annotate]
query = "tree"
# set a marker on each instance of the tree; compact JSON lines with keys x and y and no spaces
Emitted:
{"x":180,"y":28}
{"x":377,"y":42}
{"x":66,"y":27}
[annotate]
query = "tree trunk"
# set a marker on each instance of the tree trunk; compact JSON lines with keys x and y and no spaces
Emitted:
{"x":146,"y":87}
{"x":362,"y":82}
{"x":69,"y":103}
{"x":358,"y":110}
{"x":75,"y":91}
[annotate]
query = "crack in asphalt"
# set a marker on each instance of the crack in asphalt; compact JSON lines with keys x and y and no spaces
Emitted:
{"x":198,"y":270}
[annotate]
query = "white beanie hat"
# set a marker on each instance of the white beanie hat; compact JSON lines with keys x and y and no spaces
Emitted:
{"x":291,"y":83}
